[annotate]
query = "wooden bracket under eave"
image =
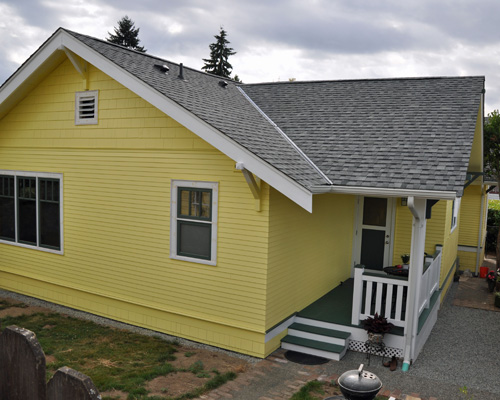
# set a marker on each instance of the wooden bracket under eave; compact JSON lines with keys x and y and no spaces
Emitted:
{"x":80,"y":65}
{"x":252,"y":184}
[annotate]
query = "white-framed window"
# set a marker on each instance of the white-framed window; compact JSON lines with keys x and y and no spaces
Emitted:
{"x":193,"y":225}
{"x":86,"y":107}
{"x":31,"y":210}
{"x":454,"y":213}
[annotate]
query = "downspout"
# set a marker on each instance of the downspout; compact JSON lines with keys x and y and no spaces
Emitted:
{"x":417,"y":208}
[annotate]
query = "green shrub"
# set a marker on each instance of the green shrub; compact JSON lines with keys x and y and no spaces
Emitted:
{"x":493,"y":223}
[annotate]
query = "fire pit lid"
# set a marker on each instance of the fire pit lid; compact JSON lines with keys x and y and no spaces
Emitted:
{"x":359,"y":381}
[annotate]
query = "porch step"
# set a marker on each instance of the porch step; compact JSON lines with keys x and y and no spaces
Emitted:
{"x":313,"y":347}
{"x":318,"y":333}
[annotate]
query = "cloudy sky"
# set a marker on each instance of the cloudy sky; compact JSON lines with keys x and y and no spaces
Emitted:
{"x":281,"y":39}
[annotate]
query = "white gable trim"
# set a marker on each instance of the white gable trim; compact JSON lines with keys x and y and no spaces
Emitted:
{"x":61,"y":42}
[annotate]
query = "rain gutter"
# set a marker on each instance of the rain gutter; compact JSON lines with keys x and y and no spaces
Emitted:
{"x":385,"y":192}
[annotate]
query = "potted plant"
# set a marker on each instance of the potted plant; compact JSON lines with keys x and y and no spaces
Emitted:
{"x":406,"y":259}
{"x":377,"y":326}
{"x":497,"y":299}
{"x":491,"y":279}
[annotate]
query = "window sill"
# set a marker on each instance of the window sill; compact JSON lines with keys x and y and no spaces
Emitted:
{"x":193,"y":260}
{"x":29,"y":246}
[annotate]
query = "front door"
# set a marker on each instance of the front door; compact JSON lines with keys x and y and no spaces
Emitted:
{"x":374,"y":232}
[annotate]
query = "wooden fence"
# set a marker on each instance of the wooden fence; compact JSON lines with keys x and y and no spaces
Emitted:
{"x":22,"y":372}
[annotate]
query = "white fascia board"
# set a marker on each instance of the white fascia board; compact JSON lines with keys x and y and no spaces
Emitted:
{"x":26,"y":71}
{"x":385,"y":192}
{"x":233,"y":150}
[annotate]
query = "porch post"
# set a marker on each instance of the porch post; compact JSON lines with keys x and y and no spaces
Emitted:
{"x":417,"y":207}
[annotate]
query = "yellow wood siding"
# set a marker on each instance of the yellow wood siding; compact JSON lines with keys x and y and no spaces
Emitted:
{"x":434,"y":232}
{"x":437,"y":232}
{"x":467,"y":260}
{"x":470,"y":216}
{"x":450,"y":250}
{"x":471,"y":227}
{"x":116,"y":178}
{"x":309,"y":254}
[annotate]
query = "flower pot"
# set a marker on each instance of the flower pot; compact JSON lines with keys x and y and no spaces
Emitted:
{"x":491,"y":285}
{"x":375,"y":337}
{"x":497,"y":301}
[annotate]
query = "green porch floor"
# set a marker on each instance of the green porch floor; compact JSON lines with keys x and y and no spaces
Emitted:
{"x":336,"y":307}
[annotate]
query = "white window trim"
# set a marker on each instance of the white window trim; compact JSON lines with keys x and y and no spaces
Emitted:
{"x":37,"y":175}
{"x":86,"y":121}
{"x":175,"y":184}
{"x":455,"y":211}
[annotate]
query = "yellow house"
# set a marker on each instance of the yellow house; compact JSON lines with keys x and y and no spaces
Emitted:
{"x":242,"y":216}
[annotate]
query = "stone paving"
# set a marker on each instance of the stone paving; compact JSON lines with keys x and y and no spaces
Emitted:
{"x":257,"y":381}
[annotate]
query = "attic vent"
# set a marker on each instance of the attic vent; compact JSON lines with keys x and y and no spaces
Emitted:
{"x":163,"y":68}
{"x":86,"y":108}
{"x":223,"y":83}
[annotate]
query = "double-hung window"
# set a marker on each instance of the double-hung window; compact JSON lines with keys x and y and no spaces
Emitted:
{"x":194,"y":221}
{"x":31,"y":209}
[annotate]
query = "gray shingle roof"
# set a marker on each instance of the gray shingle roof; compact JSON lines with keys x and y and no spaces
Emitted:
{"x":225,"y":109}
{"x":389,"y":133}
{"x":413,"y":133}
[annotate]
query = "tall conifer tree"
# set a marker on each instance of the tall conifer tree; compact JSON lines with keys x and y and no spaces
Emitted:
{"x":218,"y":63}
{"x":126,"y":35}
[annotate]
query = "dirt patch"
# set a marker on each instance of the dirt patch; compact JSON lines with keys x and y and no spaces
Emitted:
{"x":175,"y":384}
{"x":12,"y":308}
{"x":187,"y":356}
{"x":331,"y":390}
{"x":50,"y":359}
{"x":114,"y":394}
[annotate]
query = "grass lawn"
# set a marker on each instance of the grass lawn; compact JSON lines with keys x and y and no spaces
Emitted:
{"x":118,"y":360}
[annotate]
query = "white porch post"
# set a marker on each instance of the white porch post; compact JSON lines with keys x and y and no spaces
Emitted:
{"x":417,"y":207}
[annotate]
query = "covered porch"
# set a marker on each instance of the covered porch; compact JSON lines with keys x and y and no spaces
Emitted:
{"x":332,"y":324}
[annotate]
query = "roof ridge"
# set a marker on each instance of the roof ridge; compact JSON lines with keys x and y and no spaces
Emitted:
{"x":73,"y":33}
{"x":285,"y":136}
{"x":409,"y":78}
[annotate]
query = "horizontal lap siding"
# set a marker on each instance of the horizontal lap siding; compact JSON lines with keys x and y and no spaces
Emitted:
{"x":435,"y":230}
{"x":309,"y":254}
{"x":470,"y":221}
{"x":117,"y":177}
{"x":470,"y":216}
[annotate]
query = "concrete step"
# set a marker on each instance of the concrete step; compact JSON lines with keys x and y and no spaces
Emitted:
{"x":313,"y":347}
{"x":319,"y":334}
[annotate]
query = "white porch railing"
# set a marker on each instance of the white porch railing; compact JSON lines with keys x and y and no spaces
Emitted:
{"x":387,"y":295}
{"x":430,"y":280}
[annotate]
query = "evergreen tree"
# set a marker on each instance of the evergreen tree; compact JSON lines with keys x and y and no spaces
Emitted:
{"x":217,"y":64}
{"x":126,"y":35}
{"x":492,"y":156}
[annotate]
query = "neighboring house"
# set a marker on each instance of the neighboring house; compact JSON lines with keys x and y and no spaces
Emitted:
{"x":164,"y":197}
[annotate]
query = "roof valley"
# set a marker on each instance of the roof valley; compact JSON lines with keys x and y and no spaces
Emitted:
{"x":286,"y":137}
